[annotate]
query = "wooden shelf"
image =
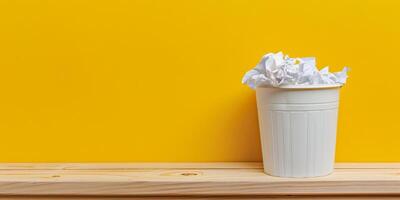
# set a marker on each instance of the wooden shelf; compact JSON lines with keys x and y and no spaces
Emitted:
{"x":192,"y":180}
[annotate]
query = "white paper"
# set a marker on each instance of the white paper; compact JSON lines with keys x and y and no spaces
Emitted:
{"x":277,"y":70}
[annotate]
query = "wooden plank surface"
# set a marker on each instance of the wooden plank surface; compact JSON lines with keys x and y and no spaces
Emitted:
{"x":138,"y":165}
{"x":190,"y":179}
{"x":281,"y":197}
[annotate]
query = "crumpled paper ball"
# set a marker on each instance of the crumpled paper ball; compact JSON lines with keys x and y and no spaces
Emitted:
{"x":278,"y":70}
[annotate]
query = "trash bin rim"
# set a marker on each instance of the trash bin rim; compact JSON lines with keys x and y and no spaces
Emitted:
{"x":321,"y":86}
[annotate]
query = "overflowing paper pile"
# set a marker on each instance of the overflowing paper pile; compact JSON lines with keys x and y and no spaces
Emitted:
{"x":278,"y":70}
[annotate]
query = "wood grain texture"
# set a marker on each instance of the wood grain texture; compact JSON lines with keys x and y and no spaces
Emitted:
{"x":189,"y":179}
{"x":199,"y":198}
{"x":136,"y":165}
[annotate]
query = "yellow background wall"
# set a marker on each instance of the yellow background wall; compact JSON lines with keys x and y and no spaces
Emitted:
{"x":89,"y":80}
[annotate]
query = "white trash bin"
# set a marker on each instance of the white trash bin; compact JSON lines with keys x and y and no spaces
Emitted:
{"x":298,"y":129}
